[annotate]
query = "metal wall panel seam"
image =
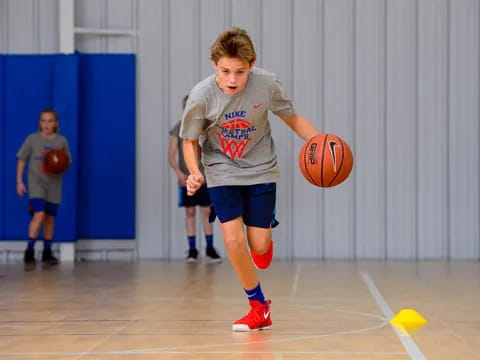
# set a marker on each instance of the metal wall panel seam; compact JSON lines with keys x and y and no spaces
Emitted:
{"x":323,"y":112}
{"x":259,"y":19}
{"x":385,"y":126}
{"x":134,"y":24}
{"x":478,"y":134}
{"x":318,"y":108}
{"x":290,"y":144}
{"x":104,"y":40}
{"x":36,"y":27}
{"x":416,"y":130}
{"x":228,"y":13}
{"x":354,"y":120}
{"x":449,"y":213}
{"x":167,"y":215}
{"x":135,"y":48}
{"x":5,"y":31}
{"x":197,"y":10}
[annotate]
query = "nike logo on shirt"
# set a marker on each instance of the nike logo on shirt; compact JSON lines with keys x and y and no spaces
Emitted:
{"x":257,"y":106}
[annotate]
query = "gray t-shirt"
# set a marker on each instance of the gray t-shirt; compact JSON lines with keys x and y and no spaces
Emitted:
{"x":175,"y":131}
{"x":40,"y":184}
{"x":234,"y":131}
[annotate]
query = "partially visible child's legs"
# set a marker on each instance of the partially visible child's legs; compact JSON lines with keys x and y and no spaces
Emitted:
{"x":190,"y":217}
{"x":48,"y":227}
{"x":43,"y":214}
{"x":48,"y":231}
{"x":35,"y":223}
{"x":33,"y":230}
{"x":207,"y":226}
{"x":190,"y":223}
{"x":200,"y":198}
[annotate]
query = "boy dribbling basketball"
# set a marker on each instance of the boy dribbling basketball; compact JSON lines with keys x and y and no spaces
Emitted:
{"x":228,"y":113}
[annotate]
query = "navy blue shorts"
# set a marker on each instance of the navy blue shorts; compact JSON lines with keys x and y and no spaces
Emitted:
{"x":255,"y":203}
{"x":200,"y":198}
{"x":37,"y":205}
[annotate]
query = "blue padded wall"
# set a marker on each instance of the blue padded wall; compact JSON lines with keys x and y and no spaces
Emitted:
{"x":94,"y":96}
{"x":32,"y":83}
{"x":107,"y":142}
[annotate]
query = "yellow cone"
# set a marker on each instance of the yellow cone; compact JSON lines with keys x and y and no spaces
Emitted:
{"x":409,"y":319}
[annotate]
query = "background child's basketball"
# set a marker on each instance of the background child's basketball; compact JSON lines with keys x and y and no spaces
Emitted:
{"x":56,"y":162}
{"x":325,"y":160}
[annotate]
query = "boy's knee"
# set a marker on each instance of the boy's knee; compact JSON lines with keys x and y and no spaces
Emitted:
{"x":260,"y":247}
{"x":260,"y":242}
{"x":38,"y":217}
{"x":205,"y":211}
{"x":234,"y":242}
{"x":190,"y":211}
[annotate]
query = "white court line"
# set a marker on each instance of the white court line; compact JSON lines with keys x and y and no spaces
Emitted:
{"x":194,"y":349}
{"x":404,"y":337}
{"x":296,"y":280}
{"x":276,"y":352}
{"x":210,"y":348}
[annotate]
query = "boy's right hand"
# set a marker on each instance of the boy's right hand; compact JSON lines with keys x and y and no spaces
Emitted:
{"x":194,"y":182}
{"x":21,"y":189}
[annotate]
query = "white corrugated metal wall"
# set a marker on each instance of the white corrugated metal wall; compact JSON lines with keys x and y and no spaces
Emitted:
{"x":398,"y":79}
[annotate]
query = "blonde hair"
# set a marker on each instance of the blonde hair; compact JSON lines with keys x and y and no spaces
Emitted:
{"x":234,"y":43}
{"x":54,"y":113}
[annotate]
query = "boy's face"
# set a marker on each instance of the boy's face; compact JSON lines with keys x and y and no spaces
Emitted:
{"x":232,"y":74}
{"x":48,"y":123}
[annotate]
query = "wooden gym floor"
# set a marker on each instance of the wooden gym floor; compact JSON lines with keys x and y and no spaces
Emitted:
{"x":172,"y":310}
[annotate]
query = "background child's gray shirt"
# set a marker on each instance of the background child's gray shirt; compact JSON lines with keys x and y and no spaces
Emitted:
{"x":40,"y":184}
{"x":234,"y":131}
{"x":175,"y":131}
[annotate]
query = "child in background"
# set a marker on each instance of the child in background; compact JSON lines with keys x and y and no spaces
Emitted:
{"x":200,"y":199}
{"x":44,"y":190}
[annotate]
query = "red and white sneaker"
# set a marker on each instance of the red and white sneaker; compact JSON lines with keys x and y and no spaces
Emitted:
{"x":262,"y":261}
{"x":257,"y":319}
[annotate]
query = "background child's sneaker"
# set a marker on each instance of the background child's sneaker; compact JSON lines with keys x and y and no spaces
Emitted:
{"x":192,"y":256}
{"x":212,"y":255}
{"x":48,"y":258}
{"x":257,"y":319}
{"x":29,"y":259}
{"x":262,"y":261}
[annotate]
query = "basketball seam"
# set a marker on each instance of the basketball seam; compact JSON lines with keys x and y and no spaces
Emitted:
{"x":341,"y":164}
{"x":305,"y":161}
{"x":323,"y":157}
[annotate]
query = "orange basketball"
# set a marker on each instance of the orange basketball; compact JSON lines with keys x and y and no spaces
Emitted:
{"x":56,"y":162}
{"x":325,"y":160}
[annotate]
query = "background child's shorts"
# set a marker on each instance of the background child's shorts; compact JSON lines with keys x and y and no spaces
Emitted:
{"x":256,"y":203}
{"x":200,"y":198}
{"x":36,"y":205}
